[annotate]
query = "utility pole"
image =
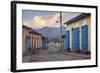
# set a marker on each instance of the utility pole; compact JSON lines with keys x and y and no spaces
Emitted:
{"x":60,"y":22}
{"x":60,"y":31}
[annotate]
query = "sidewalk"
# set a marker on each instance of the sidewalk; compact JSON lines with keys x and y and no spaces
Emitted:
{"x":78,"y":55}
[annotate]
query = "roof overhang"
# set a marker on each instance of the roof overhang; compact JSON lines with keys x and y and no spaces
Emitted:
{"x":82,"y":15}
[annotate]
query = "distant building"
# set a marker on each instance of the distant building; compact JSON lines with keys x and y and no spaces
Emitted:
{"x":78,"y":34}
{"x":37,"y":41}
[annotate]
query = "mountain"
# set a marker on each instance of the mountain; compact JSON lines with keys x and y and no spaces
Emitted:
{"x":51,"y":32}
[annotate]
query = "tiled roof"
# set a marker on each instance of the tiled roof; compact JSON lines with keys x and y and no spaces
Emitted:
{"x":31,"y":30}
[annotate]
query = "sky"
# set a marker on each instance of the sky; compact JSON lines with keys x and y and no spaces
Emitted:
{"x":29,"y":14}
{"x":39,"y":19}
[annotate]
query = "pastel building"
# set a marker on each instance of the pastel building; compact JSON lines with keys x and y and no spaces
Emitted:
{"x":37,"y":41}
{"x":78,"y":34}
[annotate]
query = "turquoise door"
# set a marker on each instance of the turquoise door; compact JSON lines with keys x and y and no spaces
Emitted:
{"x":67,"y":39}
{"x":27,"y":42}
{"x":84,"y":37}
{"x":75,"y":39}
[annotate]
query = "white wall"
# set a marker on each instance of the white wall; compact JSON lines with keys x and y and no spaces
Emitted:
{"x":5,"y":36}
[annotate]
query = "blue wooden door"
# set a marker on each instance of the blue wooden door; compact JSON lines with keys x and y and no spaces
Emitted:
{"x":27,"y":42}
{"x":84,"y":37}
{"x":67,"y":39}
{"x":75,"y":38}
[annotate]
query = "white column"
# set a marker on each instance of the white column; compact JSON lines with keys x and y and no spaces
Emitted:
{"x":70,"y":37}
{"x":38,"y":41}
{"x":34,"y":41}
{"x":41,"y":42}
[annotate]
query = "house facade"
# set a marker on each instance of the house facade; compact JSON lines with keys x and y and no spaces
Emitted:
{"x":37,"y":41}
{"x":78,"y":34}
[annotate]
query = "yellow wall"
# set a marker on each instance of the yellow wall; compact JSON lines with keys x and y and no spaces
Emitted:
{"x":23,"y":40}
{"x":79,"y":23}
{"x":36,"y":39}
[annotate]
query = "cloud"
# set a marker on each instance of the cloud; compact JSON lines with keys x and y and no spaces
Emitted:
{"x":46,"y":20}
{"x":39,"y":20}
{"x":43,"y":21}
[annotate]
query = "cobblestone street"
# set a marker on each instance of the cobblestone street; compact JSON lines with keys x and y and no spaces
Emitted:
{"x":50,"y":55}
